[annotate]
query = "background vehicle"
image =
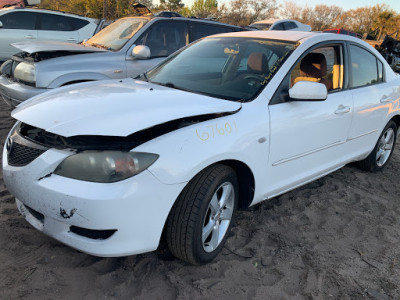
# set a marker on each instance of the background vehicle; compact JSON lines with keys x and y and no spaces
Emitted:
{"x":226,"y":123}
{"x":126,"y":48}
{"x":30,"y":24}
{"x":20,"y":3}
{"x":342,"y":31}
{"x":280,"y":24}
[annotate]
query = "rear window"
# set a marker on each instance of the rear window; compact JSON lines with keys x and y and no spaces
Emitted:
{"x":78,"y":23}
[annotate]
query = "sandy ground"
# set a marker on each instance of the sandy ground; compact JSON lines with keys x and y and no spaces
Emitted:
{"x":336,"y":238}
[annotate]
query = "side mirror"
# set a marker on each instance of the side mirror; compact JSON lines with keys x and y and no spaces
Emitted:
{"x":308,"y":91}
{"x":1,"y":24}
{"x":141,"y":52}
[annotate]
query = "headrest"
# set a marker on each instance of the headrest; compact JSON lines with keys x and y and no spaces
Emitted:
{"x":257,"y":63}
{"x":313,"y":65}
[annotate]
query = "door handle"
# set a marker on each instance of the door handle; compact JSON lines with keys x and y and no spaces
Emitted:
{"x":29,"y":36}
{"x":385,"y":99}
{"x":72,"y":40}
{"x":342,"y":110}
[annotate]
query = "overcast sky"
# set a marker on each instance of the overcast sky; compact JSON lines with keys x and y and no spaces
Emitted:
{"x":345,"y":4}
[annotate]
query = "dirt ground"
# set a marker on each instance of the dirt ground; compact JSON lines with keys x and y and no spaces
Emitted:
{"x":336,"y":238}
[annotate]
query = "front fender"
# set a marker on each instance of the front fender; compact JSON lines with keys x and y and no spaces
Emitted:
{"x":243,"y":136}
{"x":76,"y":77}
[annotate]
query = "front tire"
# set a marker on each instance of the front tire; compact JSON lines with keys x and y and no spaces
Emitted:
{"x":383,"y":150}
{"x":201,"y":217}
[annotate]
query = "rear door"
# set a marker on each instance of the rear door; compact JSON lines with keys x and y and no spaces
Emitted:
{"x":55,"y":27}
{"x":372,"y":98}
{"x":18,"y":26}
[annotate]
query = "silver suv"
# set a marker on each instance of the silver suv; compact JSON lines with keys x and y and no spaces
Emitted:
{"x":30,"y":24}
{"x":125,"y":48}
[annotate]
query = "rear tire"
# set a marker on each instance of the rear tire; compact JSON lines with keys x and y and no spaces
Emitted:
{"x":201,"y":218}
{"x":383,"y":150}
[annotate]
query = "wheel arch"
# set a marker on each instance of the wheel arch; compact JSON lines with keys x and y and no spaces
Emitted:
{"x":396,"y":119}
{"x":245,"y":179}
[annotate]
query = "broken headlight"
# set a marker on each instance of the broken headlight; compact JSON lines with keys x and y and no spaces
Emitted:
{"x":105,"y":166}
{"x":25,"y":72}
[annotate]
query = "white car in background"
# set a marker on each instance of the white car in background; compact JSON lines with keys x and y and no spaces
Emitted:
{"x":18,"y":24}
{"x":110,"y":167}
{"x":280,"y":24}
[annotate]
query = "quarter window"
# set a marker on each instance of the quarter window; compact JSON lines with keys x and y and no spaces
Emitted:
{"x":200,"y":30}
{"x":19,"y":20}
{"x":366,"y":69}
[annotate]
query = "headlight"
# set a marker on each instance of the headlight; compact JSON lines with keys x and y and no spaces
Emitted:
{"x":105,"y":166}
{"x":25,"y":72}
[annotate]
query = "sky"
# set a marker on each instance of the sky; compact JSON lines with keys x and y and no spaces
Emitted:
{"x":345,"y":4}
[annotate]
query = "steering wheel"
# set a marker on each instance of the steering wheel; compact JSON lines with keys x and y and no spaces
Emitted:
{"x":255,"y":77}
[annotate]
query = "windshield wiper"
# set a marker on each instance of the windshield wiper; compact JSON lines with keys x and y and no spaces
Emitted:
{"x":99,"y":46}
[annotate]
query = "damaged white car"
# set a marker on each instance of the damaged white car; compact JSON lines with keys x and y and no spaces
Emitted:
{"x":111,"y":167}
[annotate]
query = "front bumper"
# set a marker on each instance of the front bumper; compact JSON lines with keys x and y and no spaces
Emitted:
{"x":13,"y":93}
{"x":134,"y":210}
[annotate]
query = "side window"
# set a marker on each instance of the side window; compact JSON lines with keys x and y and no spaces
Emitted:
{"x":78,"y":23}
{"x":278,"y":27}
{"x":289,"y":25}
{"x":164,"y":38}
{"x":364,"y":67}
{"x":53,"y":22}
{"x":323,"y":65}
{"x":19,"y":20}
{"x":200,"y":30}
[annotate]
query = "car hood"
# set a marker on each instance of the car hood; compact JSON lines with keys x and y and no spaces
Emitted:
{"x":114,"y":108}
{"x":47,"y":46}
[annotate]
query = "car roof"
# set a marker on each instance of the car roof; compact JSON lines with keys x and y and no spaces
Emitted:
{"x":57,"y":12}
{"x":288,"y":35}
{"x":294,"y":36}
{"x":212,"y":22}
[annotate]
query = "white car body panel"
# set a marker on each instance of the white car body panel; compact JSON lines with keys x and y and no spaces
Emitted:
{"x":284,"y":145}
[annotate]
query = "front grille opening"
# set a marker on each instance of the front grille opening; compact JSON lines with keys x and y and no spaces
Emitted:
{"x":92,"y":234}
{"x":37,"y":215}
{"x":21,"y":155}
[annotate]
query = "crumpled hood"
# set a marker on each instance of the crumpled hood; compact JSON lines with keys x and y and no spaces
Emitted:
{"x":114,"y":108}
{"x":48,"y":46}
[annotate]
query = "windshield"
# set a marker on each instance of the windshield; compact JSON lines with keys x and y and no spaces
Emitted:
{"x":116,"y":35}
{"x":261,"y":26}
{"x":227,"y":67}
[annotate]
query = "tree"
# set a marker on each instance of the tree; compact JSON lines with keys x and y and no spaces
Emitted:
{"x":171,"y":5}
{"x":204,"y":8}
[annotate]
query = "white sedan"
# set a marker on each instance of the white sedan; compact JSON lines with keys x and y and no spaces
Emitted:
{"x":110,"y":167}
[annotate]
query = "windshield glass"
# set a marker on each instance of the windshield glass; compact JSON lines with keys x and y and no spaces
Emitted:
{"x":229,"y":68}
{"x":261,"y":26}
{"x":116,"y":35}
